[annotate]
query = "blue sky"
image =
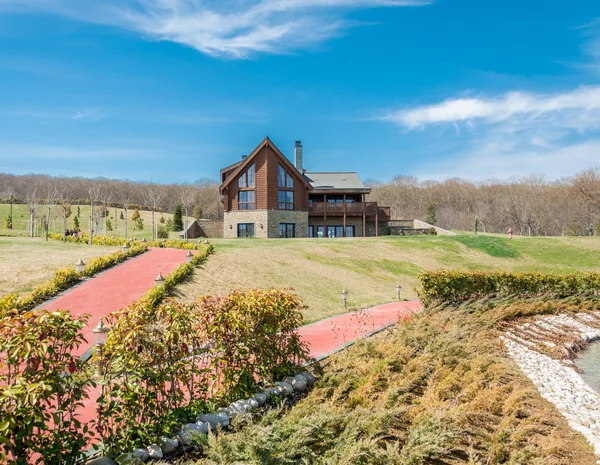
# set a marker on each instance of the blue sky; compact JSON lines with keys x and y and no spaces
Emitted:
{"x":172,"y":90}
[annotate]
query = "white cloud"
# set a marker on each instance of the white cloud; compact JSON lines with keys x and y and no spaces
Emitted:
{"x":233,"y":28}
{"x":575,"y":109}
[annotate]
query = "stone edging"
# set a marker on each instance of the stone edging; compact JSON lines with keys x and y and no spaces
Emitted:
{"x":212,"y":422}
{"x":544,"y":349}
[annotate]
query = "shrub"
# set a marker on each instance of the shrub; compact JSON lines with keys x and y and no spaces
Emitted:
{"x":42,"y":387}
{"x":456,"y":285}
{"x":7,"y":222}
{"x":162,"y":233}
{"x":161,"y":365}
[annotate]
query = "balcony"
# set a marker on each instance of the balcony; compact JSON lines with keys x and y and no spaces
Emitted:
{"x":350,"y":208}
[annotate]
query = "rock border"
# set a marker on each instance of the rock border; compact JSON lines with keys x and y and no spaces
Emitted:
{"x":544,"y":349}
{"x":211,"y":422}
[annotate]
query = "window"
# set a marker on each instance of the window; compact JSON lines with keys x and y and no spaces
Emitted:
{"x":335,"y":231}
{"x":245,"y":230}
{"x":284,"y":179}
{"x":286,"y":200}
{"x":311,"y":231}
{"x":349,"y":231}
{"x":287,"y":230}
{"x":320,"y":231}
{"x":246,"y":200}
{"x":247,"y":179}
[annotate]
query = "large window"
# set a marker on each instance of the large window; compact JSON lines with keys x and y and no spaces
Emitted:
{"x":286,"y":200}
{"x":284,"y":179}
{"x":331,"y":231}
{"x":246,"y":200}
{"x":287,"y":230}
{"x":247,"y":179}
{"x":245,"y":230}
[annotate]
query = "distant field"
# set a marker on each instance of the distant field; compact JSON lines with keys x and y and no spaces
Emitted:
{"x":21,"y":220}
{"x":25,"y":262}
{"x":318,"y":269}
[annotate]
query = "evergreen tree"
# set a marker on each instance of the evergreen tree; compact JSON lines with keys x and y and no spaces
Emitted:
{"x":431,"y":210}
{"x":76,"y":222}
{"x":177,"y":219}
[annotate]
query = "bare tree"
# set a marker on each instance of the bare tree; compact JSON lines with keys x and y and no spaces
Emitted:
{"x":67,"y":195}
{"x":187,"y":198}
{"x":93,"y":190}
{"x":153,"y":196}
{"x":32,"y":202}
{"x":49,"y":201}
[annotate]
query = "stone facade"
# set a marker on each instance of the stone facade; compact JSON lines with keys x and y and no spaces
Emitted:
{"x":266,"y":222}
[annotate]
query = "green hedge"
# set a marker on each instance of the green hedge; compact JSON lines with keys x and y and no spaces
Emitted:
{"x":456,"y":285}
{"x":156,"y":295}
{"x":64,"y":279}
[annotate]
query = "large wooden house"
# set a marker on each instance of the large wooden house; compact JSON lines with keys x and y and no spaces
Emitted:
{"x":266,"y":195}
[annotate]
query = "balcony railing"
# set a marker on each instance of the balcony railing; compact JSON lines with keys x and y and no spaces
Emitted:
{"x":350,"y":208}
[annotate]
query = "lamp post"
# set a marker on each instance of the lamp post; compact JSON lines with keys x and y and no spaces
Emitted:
{"x":80,"y":266}
{"x":159,"y":280}
{"x":398,"y":291}
{"x":100,"y":333}
{"x":189,"y":256}
{"x":345,"y":297}
{"x":11,"y":217}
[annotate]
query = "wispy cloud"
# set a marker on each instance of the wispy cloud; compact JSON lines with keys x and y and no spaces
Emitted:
{"x":87,"y":114}
{"x":577,"y":109}
{"x":232,"y":28}
{"x":514,"y":133}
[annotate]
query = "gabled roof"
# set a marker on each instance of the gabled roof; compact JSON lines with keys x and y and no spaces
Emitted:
{"x":244,"y":163}
{"x":343,"y":181}
{"x":233,"y":165}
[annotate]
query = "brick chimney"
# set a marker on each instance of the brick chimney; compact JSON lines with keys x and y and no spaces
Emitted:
{"x":298,"y":156}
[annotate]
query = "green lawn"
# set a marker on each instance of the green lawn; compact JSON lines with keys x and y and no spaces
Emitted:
{"x":26,"y":262}
{"x":318,"y":269}
{"x":21,"y":220}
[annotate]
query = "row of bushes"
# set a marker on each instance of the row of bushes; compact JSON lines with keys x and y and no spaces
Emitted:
{"x":457,"y":285}
{"x":64,"y":279}
{"x":160,"y":367}
{"x":156,"y":294}
{"x":84,"y":238}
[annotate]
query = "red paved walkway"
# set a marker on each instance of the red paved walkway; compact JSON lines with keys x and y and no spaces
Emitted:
{"x":326,"y":336}
{"x":116,"y":288}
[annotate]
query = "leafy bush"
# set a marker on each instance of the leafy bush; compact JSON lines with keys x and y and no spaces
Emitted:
{"x":42,"y":388}
{"x":163,"y":232}
{"x":162,"y":365}
{"x":457,"y":285}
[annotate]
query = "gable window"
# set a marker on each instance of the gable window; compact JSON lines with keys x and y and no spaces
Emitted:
{"x":247,"y":179}
{"x":284,"y":179}
{"x":246,"y":200}
{"x":286,"y":200}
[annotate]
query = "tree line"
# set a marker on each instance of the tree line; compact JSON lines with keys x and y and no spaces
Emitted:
{"x":528,"y":205}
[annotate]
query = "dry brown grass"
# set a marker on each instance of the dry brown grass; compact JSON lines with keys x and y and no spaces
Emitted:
{"x":318,"y":269}
{"x":25,"y":262}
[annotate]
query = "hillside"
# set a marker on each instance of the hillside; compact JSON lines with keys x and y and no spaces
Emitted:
{"x":21,"y":220}
{"x":318,"y":269}
{"x":438,"y":389}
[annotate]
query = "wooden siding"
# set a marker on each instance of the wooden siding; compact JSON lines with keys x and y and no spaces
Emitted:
{"x":266,"y":190}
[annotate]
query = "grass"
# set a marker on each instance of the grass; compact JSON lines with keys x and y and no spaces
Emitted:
{"x":21,"y":220}
{"x":25,"y":262}
{"x":318,"y":269}
{"x":436,"y":390}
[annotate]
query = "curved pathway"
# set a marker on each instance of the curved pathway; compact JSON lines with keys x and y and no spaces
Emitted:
{"x":338,"y":332}
{"x":116,"y":288}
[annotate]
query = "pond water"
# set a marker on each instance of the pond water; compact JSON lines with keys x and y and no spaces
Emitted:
{"x":589,"y":362}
